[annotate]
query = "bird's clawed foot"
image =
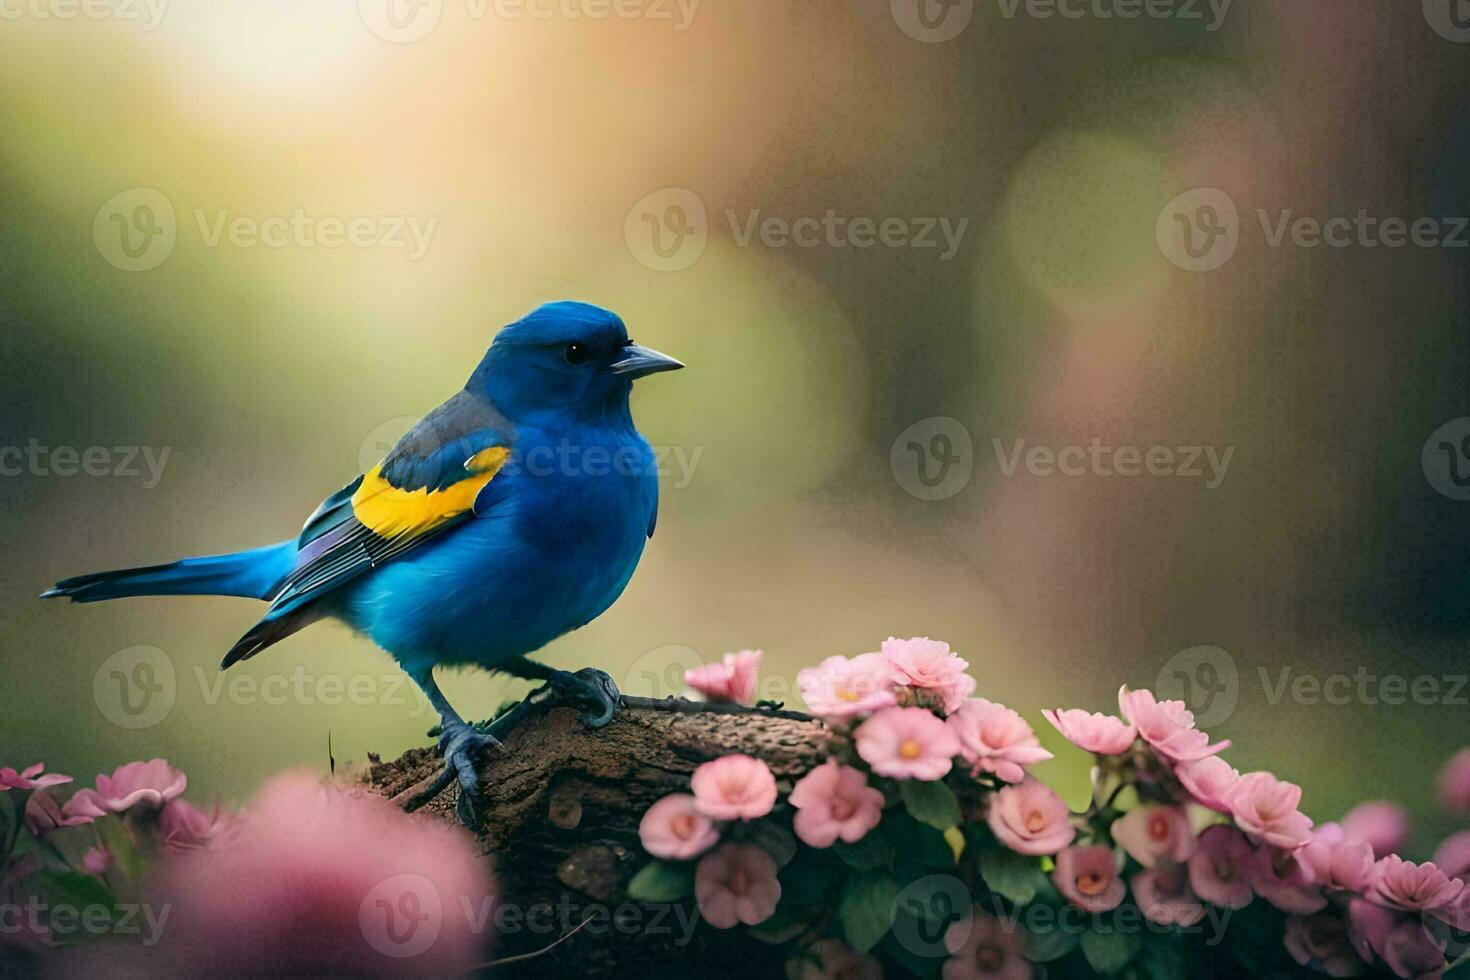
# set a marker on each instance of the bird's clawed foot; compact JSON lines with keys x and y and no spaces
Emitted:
{"x":594,"y":688}
{"x":588,"y":686}
{"x":461,"y":746}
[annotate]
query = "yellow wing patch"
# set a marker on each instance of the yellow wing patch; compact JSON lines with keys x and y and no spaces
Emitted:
{"x":390,"y":512}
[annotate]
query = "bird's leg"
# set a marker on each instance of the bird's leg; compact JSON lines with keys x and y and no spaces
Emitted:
{"x":460,"y":745}
{"x":590,"y":686}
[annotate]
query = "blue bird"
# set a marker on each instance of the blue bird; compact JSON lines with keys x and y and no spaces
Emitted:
{"x":511,"y":514}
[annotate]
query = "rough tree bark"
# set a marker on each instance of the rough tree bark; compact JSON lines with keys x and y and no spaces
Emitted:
{"x":561,"y":829}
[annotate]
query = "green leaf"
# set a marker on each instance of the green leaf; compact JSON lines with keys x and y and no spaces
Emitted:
{"x":1051,"y":943}
{"x":874,"y":850}
{"x":809,"y":878}
{"x":662,"y":881}
{"x":1109,"y":952}
{"x":1011,"y":875}
{"x":866,"y":910}
{"x":931,"y":802}
{"x":76,"y":889}
{"x":1163,"y":959}
{"x":781,"y":927}
{"x":775,"y":840}
{"x":920,"y":844}
{"x":893,"y":949}
{"x":925,"y":909}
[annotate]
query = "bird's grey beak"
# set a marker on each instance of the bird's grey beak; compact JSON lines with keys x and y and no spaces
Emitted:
{"x":639,"y":361}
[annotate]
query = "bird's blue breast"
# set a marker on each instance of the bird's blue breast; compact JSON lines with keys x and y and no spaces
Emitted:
{"x":567,"y":526}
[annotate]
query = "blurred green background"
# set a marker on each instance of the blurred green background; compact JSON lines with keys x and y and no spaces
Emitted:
{"x":272,"y":375}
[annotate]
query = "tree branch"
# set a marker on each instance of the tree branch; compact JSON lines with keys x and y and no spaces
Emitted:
{"x":562,"y":808}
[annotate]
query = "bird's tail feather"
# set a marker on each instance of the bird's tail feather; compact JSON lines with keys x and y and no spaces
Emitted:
{"x":274,"y":628}
{"x":253,"y":574}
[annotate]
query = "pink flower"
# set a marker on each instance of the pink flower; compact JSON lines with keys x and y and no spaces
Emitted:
{"x":734,"y":787}
{"x":834,"y":960}
{"x":929,"y":665}
{"x":1030,"y":819}
{"x":1099,"y":733}
{"x":96,"y":861}
{"x":1151,"y":834}
{"x":907,"y":743}
{"x":1266,"y":807}
{"x":1163,"y":895}
{"x":1336,"y":861}
{"x":1453,"y":855}
{"x":1400,"y":884}
{"x":1383,"y":824}
{"x":1453,"y":858}
{"x":1279,"y":878}
{"x":993,"y":738}
{"x":732,"y":680}
{"x":30,"y":778}
{"x":1400,"y":941}
{"x":1168,"y":726}
{"x":1369,"y":926}
{"x":44,"y":815}
{"x":1410,"y":951}
{"x":839,"y":688}
{"x":982,"y":946}
{"x":1457,"y":913}
{"x":1219,"y":869}
{"x":185,"y":827}
{"x":147,"y":784}
{"x":84,"y":807}
{"x":1208,"y":781}
{"x":322,"y":879}
{"x":674,"y":828}
{"x":835,"y":801}
{"x":736,"y":883}
{"x":1320,"y":942}
{"x":1088,"y":878}
{"x":1453,"y":786}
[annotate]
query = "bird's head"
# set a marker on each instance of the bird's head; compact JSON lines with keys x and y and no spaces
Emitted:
{"x":565,"y":359}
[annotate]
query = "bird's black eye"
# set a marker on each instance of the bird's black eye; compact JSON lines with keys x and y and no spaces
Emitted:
{"x":577,"y":354}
